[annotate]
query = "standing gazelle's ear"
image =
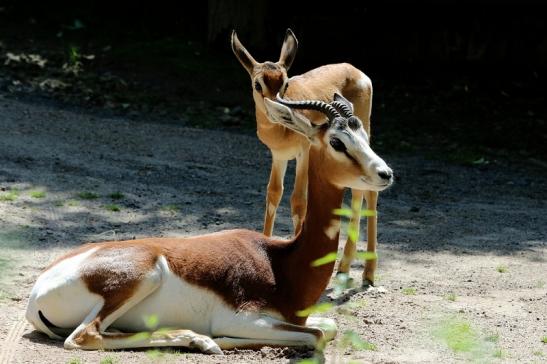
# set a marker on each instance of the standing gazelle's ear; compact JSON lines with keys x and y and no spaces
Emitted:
{"x":297,"y":122}
{"x":242,"y":54}
{"x":288,"y":51}
{"x":342,"y":99}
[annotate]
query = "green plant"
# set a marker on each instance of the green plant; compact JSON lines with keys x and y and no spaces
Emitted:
{"x":73,"y":203}
{"x":112,"y":207}
{"x":538,"y":353}
{"x":86,"y":195}
{"x":11,"y":195}
{"x":352,"y":339}
{"x":458,"y":335}
{"x":108,"y":360}
{"x":318,"y":308}
{"x":498,"y":353}
{"x":451,"y":297}
{"x":544,"y":339}
{"x":493,"y":338}
{"x":74,"y":361}
{"x":502,"y":269}
{"x":171,"y":208}
{"x":37,"y":194}
{"x":409,"y":291}
{"x":116,"y":196}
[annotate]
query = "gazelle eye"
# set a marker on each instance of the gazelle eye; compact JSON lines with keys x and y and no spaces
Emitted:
{"x":337,"y":144}
{"x":258,"y":86}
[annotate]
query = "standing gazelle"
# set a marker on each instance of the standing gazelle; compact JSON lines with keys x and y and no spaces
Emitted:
{"x":322,"y":83}
{"x":234,"y":288}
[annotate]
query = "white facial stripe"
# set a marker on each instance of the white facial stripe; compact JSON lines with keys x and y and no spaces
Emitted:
{"x":358,"y":148}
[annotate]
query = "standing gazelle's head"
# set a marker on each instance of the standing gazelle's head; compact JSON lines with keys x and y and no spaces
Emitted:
{"x":268,"y":78}
{"x":342,"y":142}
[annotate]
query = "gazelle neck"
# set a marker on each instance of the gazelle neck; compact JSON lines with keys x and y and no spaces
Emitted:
{"x":318,"y":237}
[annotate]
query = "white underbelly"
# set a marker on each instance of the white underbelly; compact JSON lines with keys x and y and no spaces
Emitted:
{"x":175,"y":304}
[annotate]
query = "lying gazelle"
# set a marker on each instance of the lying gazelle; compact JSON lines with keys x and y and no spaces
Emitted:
{"x":322,"y":83}
{"x":234,"y":288}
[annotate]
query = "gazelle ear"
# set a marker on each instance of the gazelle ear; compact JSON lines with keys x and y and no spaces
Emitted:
{"x":288,"y":51}
{"x":342,"y":99}
{"x":282,"y":114}
{"x":244,"y":57}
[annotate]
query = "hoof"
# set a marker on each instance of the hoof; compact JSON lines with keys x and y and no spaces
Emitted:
{"x":367,"y":283}
{"x":375,"y":290}
{"x":206,"y":345}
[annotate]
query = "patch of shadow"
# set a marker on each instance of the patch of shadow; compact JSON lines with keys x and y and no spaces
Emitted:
{"x":41,"y":338}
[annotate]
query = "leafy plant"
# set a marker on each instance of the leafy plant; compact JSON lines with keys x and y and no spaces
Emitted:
{"x":451,"y":297}
{"x":171,"y":208}
{"x":108,"y":360}
{"x":11,"y":195}
{"x":502,"y":269}
{"x":116,"y":196}
{"x":86,"y":195}
{"x":493,"y":338}
{"x":318,"y":308}
{"x":352,"y":339}
{"x":458,"y":335}
{"x":37,"y":194}
{"x":112,"y":207}
{"x":72,"y":203}
{"x":498,"y":353}
{"x":409,"y":291}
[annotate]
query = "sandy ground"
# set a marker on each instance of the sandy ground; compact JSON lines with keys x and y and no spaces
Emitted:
{"x":462,"y":249}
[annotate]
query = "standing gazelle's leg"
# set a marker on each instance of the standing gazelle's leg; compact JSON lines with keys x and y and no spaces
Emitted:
{"x":351,"y":246}
{"x":299,"y":196}
{"x":274,"y":194}
{"x":370,"y":265}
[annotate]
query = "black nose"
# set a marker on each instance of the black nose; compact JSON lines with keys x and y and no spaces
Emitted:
{"x":385,"y":175}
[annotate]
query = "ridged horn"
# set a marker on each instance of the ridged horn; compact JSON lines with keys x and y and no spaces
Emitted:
{"x":342,"y":108}
{"x":317,"y":105}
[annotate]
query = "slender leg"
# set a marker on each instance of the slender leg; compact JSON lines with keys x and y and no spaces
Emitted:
{"x":370,"y":265}
{"x":274,"y":194}
{"x":299,"y":196}
{"x":258,"y":331}
{"x":351,"y":246}
{"x":361,"y":96}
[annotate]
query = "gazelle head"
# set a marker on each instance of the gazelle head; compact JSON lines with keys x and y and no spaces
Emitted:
{"x":342,"y":142}
{"x":268,"y":78}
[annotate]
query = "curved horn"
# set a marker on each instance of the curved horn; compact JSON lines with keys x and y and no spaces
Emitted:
{"x":342,"y":108}
{"x":317,"y":105}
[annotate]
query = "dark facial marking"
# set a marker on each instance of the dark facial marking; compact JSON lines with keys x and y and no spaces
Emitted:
{"x":337,"y":144}
{"x":354,"y":123}
{"x":258,"y":87}
{"x":273,"y":80}
{"x":271,"y":66}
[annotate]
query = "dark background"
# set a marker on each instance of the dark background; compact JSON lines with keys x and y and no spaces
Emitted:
{"x":463,"y":78}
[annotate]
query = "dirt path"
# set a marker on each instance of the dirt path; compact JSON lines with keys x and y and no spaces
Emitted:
{"x":462,"y":249}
